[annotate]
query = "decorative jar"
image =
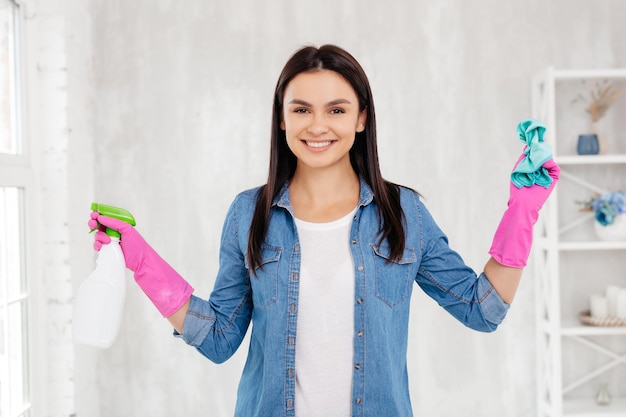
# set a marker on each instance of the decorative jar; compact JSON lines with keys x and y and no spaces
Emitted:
{"x":611,"y":232}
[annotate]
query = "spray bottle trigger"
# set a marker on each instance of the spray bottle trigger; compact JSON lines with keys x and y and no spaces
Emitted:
{"x":116,"y":213}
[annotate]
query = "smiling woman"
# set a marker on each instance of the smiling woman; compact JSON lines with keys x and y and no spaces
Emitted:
{"x":320,"y":132}
{"x":321,"y":260}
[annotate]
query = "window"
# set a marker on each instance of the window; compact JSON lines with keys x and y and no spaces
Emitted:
{"x":9,"y":103}
{"x":15,"y":386}
{"x":14,"y":369}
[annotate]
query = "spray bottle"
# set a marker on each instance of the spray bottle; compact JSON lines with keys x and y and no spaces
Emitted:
{"x":100,"y":298}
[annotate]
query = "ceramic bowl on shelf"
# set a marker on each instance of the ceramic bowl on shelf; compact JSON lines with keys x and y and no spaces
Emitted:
{"x":587,"y":319}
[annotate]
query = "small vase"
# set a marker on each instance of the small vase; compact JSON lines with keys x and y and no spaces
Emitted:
{"x":588,"y":144}
{"x":611,"y":232}
{"x":603,"y":397}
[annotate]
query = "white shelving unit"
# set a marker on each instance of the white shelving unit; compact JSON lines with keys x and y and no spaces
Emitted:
{"x":565,"y":251}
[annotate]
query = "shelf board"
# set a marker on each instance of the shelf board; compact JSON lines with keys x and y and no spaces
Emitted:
{"x":547,"y":244}
{"x":592,"y":245}
{"x":572,"y":327}
{"x":590,"y":159}
{"x":580,"y":330}
{"x":588,"y":408}
{"x":614,"y":73}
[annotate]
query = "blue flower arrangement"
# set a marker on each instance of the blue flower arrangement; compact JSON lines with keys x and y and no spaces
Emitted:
{"x":607,"y":206}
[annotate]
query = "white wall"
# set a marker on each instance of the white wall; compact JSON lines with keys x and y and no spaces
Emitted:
{"x":175,"y":100}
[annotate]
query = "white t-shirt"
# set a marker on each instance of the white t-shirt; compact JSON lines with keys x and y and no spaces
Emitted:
{"x":324,"y":336}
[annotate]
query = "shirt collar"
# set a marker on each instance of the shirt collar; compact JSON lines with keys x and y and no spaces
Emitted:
{"x":283,"y":200}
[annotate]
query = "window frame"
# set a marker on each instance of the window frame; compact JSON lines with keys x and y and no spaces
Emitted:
{"x":18,"y":170}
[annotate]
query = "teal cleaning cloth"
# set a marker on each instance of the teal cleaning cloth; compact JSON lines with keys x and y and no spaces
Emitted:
{"x":529,"y":171}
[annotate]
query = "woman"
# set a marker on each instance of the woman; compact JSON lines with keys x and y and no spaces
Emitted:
{"x":321,"y":259}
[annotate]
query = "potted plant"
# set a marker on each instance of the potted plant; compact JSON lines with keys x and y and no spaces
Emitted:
{"x":599,"y":100}
{"x":608,"y":209}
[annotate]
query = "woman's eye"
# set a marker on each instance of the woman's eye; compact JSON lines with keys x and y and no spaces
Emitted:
{"x":300,"y":110}
{"x":337,"y":111}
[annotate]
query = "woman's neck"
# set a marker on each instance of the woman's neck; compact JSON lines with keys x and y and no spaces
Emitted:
{"x":323,"y":195}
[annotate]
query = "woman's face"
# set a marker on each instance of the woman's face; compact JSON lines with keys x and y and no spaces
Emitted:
{"x":320,"y":118}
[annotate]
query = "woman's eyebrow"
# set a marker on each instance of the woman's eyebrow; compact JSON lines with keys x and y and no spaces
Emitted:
{"x":329,"y":104}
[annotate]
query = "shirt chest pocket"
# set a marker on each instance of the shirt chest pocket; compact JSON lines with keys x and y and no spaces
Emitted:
{"x":393,"y":277}
{"x":265,"y":282}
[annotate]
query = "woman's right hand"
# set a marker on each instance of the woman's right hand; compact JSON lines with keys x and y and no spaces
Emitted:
{"x":132,"y":243}
{"x":167,"y":290}
{"x":100,"y":238}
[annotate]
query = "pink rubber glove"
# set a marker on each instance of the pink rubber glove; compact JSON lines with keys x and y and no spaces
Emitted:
{"x":514,"y":236}
{"x":167,"y":290}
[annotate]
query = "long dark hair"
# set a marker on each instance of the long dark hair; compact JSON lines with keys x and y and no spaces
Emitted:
{"x":363,"y":154}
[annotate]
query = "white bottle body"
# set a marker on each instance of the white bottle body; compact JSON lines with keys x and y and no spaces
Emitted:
{"x":100,"y":299}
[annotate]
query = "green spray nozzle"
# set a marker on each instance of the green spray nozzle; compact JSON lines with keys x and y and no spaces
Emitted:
{"x":116,"y":213}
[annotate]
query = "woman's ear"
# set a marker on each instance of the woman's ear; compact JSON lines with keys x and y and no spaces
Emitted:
{"x":360,"y":125}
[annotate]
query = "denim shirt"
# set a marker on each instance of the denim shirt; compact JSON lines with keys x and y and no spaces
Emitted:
{"x":382,"y":296}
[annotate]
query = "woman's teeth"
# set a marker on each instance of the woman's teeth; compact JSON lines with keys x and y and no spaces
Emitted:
{"x":319,"y":144}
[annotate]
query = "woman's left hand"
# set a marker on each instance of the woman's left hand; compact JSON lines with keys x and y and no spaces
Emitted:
{"x":513,"y":238}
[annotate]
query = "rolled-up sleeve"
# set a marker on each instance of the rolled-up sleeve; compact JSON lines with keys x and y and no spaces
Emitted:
{"x":445,"y":277}
{"x":217,"y":326}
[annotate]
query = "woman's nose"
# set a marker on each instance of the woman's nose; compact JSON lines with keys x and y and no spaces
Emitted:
{"x":318,"y":125}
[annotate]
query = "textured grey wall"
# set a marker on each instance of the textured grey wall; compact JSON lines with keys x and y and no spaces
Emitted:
{"x":181,"y":109}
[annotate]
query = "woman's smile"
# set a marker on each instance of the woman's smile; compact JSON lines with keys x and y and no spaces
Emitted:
{"x":319,"y":145}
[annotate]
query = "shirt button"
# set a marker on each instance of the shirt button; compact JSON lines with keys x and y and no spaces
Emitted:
{"x":360,"y":268}
{"x":355,"y":218}
{"x":359,"y":301}
{"x":354,"y":241}
{"x":358,"y":401}
{"x":360,"y":334}
{"x":357,"y":366}
{"x":297,"y":248}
